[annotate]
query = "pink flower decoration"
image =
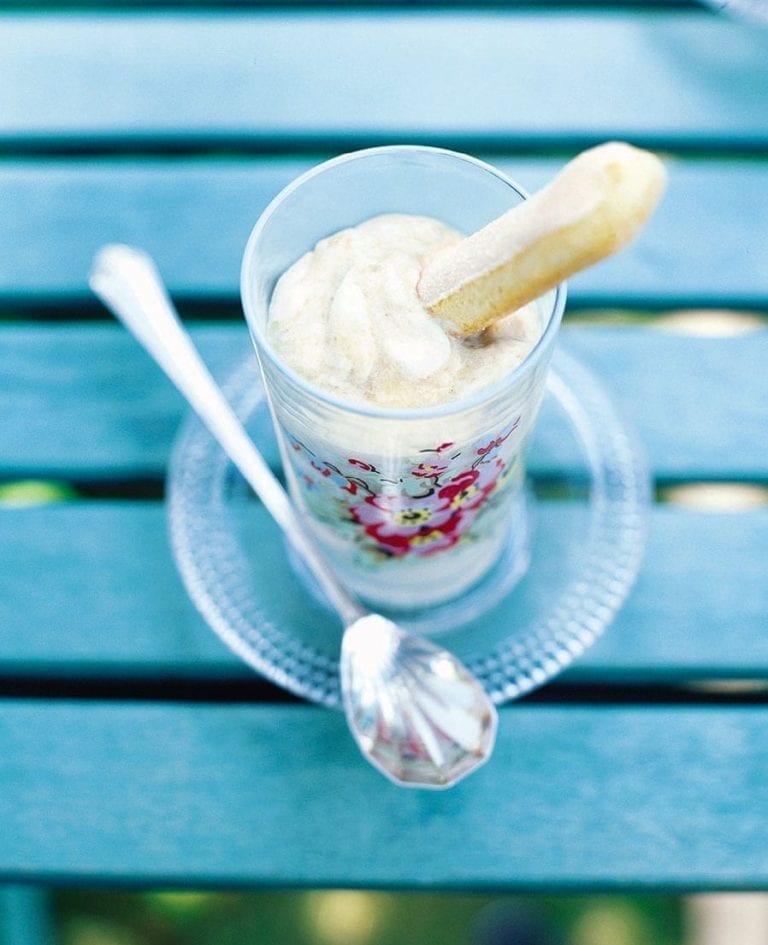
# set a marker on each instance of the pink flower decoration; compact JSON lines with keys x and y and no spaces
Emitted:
{"x":323,"y":470}
{"x":361,"y":464}
{"x":429,"y":470}
{"x":492,"y":445}
{"x":470,"y":489}
{"x":426,"y":540}
{"x":496,"y":443}
{"x":489,"y":471}
{"x":400,"y":514}
{"x":462,"y":492}
{"x":399,"y":523}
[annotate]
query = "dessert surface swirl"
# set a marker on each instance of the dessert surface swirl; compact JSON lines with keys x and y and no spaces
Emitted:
{"x":347,"y":317}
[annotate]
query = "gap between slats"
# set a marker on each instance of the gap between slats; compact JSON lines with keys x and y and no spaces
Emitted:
{"x":61,"y":212}
{"x":705,"y":494}
{"x":112,"y":685}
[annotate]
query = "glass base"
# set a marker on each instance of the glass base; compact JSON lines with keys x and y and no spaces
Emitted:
{"x":509,"y":562}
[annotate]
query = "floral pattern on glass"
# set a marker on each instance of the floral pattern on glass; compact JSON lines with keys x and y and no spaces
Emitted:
{"x":428,"y":507}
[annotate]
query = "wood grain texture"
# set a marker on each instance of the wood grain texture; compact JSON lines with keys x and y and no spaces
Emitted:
{"x":194,"y":217}
{"x":697,"y":611}
{"x":231,"y":104}
{"x":288,"y":76}
{"x":227,"y":796}
{"x":85,"y":401}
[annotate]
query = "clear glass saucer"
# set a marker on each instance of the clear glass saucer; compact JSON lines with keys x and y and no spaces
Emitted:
{"x":590,"y":495}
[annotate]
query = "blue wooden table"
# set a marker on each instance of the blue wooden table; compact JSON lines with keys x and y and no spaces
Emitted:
{"x":135,"y":749}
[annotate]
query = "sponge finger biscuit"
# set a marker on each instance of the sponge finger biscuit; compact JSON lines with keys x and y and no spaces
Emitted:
{"x":595,"y":205}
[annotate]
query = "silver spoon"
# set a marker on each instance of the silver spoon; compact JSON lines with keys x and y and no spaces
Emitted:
{"x":416,"y":712}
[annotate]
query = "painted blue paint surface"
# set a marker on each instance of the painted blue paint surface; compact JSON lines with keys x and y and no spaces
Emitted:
{"x":705,"y":244}
{"x":287,"y":74}
{"x":173,"y":129}
{"x":702,"y":573}
{"x":172,"y":795}
{"x":95,"y":404}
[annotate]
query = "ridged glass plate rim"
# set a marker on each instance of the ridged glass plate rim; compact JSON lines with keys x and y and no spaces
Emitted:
{"x":208,"y":555}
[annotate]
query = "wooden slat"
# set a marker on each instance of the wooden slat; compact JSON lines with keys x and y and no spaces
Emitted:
{"x":697,"y":610}
{"x":26,"y":916}
{"x":321,"y":4}
{"x":279,"y":796}
{"x":85,"y":401}
{"x":89,"y":401}
{"x":518,"y":77}
{"x":177,"y":794}
{"x":58,"y":213}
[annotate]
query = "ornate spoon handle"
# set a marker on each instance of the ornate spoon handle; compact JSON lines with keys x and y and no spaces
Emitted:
{"x":128,"y":283}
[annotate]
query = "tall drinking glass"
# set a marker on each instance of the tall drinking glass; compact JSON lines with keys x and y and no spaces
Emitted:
{"x":412,"y":506}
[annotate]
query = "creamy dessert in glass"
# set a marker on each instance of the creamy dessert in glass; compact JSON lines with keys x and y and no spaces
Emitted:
{"x":402,"y":443}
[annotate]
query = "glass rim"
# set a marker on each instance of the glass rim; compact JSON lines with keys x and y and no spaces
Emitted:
{"x":476,"y":398}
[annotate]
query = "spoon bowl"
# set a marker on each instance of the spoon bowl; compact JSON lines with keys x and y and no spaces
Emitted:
{"x":416,"y":712}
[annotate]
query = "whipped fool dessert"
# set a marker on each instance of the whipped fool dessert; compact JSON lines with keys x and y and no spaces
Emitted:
{"x":412,"y":511}
{"x":347,"y":317}
{"x":422,"y":354}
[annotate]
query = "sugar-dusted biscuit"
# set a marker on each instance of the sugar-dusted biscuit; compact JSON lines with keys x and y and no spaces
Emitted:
{"x":594,"y":206}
